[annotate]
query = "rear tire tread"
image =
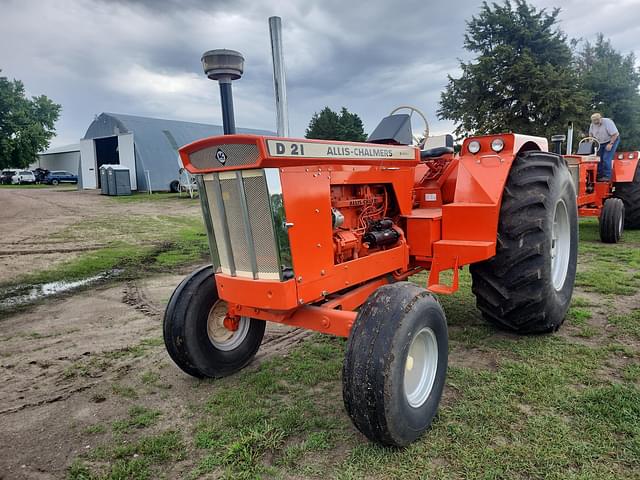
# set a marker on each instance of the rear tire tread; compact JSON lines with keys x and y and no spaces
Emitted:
{"x":629,"y":193}
{"x":510,"y":287}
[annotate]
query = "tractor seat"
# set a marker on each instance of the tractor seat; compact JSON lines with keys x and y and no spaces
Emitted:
{"x":435,"y":152}
{"x":437,"y":146}
{"x":586,"y":148}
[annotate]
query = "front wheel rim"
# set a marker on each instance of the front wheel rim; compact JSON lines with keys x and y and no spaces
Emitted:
{"x":221,"y":337}
{"x":421,"y":366}
{"x":560,"y":245}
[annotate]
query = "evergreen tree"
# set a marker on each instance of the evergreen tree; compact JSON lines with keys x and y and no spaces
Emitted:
{"x":612,"y":81}
{"x":329,"y":125}
{"x":26,"y":125}
{"x":522,"y":78}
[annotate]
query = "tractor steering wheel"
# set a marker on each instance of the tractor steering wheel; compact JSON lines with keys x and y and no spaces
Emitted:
{"x":416,"y":139}
{"x":590,"y":139}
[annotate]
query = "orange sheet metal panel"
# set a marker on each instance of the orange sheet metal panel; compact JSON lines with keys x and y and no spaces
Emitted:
{"x":268,"y":294}
{"x":624,"y":166}
{"x":470,"y":221}
{"x":307,"y":203}
{"x":354,"y":272}
{"x":423,"y":228}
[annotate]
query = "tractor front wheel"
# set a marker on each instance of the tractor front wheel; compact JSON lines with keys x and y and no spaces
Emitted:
{"x":611,"y":220}
{"x":629,"y":193}
{"x":395,"y":365}
{"x":527,"y":286}
{"x":197,"y":336}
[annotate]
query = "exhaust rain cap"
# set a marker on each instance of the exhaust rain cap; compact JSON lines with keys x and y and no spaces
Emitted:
{"x":223,"y":64}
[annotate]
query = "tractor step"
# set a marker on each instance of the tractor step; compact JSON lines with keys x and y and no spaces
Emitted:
{"x":449,"y":254}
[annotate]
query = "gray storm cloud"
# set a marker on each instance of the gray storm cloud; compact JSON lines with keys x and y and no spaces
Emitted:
{"x":143,"y":57}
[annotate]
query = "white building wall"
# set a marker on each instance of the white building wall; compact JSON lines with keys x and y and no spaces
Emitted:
{"x":67,"y":161}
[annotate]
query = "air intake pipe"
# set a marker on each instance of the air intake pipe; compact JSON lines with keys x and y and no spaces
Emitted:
{"x":224,"y":66}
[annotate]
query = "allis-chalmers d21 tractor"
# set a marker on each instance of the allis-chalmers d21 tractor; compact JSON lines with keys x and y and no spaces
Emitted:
{"x":323,"y":235}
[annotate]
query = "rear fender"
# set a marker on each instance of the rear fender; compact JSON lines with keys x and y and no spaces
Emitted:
{"x":470,"y":222}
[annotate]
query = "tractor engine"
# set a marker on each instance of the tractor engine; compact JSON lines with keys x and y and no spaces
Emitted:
{"x":359,"y":220}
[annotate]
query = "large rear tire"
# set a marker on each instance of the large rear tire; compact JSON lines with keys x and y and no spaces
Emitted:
{"x":395,"y":365}
{"x":527,"y":286}
{"x":629,"y":193}
{"x":195,"y":335}
{"x":611,"y":220}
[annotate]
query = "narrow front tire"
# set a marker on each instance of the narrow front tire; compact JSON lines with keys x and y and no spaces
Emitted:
{"x":195,"y":334}
{"x":396,"y":364}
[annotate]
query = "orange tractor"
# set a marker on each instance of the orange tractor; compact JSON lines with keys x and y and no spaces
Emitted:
{"x":324,"y":235}
{"x":616,"y":203}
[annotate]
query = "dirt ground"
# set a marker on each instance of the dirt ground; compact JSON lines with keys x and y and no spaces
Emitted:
{"x":31,"y":218}
{"x":61,"y":360}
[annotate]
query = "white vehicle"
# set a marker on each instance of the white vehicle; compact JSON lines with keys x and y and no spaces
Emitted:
{"x":23,"y":176}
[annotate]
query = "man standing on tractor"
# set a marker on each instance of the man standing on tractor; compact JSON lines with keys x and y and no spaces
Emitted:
{"x":605,"y":131}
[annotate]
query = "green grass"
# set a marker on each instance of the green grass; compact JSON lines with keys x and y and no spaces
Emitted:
{"x":136,"y":197}
{"x":138,"y":246}
{"x":139,"y":417}
{"x":124,"y":391}
{"x":140,"y":459}
{"x":628,"y":323}
{"x":534,"y":407}
{"x":606,"y":268}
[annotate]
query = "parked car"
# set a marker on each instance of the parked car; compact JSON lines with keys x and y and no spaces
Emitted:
{"x":6,"y":176}
{"x":40,"y":174}
{"x":23,"y":176}
{"x":59,"y":176}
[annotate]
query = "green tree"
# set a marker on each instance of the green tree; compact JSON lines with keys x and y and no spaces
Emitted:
{"x":612,"y":81}
{"x":329,"y":125}
{"x":522,"y":79}
{"x":26,"y":125}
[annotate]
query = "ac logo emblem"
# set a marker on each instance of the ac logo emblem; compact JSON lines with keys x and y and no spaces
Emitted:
{"x":221,"y":156}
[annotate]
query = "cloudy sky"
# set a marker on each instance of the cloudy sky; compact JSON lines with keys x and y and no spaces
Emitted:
{"x":142,"y":57}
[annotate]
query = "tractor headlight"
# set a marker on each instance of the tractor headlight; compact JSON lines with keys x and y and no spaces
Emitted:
{"x":497,"y":145}
{"x":474,"y":146}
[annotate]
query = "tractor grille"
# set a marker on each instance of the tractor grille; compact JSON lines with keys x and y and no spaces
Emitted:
{"x":235,"y":155}
{"x":238,"y":203}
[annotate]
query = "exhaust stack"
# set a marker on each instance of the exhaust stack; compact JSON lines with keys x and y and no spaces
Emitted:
{"x":570,"y":139}
{"x":279,"y":80}
{"x":224,"y":66}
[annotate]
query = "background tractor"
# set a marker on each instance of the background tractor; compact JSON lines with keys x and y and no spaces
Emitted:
{"x":324,"y":235}
{"x":616,"y":203}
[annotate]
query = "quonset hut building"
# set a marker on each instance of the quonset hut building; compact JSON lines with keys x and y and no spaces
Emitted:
{"x":147,"y":146}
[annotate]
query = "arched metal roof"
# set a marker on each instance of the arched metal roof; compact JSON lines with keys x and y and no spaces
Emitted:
{"x":156,"y":142}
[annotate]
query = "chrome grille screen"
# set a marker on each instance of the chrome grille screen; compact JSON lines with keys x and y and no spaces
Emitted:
{"x":239,"y":206}
{"x":260,"y":217}
{"x":233,"y":155}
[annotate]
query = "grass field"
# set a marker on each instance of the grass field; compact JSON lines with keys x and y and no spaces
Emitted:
{"x":140,"y":245}
{"x":562,"y":406}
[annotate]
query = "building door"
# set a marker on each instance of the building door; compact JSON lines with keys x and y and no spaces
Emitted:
{"x":127,"y":155}
{"x":88,"y":173}
{"x":106,"y":153}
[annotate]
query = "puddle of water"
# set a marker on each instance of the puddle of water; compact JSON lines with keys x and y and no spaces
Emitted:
{"x":17,"y":296}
